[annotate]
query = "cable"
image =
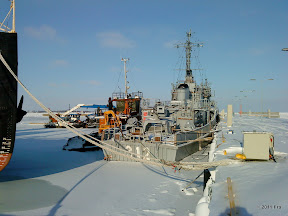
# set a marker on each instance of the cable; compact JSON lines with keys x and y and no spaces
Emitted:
{"x":114,"y":149}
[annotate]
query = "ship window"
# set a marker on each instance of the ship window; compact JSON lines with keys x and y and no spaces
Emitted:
{"x":120,"y":106}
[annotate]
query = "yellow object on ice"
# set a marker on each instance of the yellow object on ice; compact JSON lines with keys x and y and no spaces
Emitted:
{"x":240,"y":156}
{"x":225,"y":152}
{"x":223,"y":138}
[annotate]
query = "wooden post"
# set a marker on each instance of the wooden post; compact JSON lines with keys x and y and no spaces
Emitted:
{"x":269,"y":113}
{"x":229,"y":115}
{"x":199,"y":142}
{"x":231,"y":197}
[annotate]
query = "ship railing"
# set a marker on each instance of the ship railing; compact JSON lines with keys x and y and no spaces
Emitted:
{"x":158,"y":102}
{"x":136,"y":133}
{"x":166,"y":103}
{"x":205,"y":104}
{"x":179,"y":82}
{"x":151,"y":102}
{"x":121,"y":95}
{"x":156,"y":134}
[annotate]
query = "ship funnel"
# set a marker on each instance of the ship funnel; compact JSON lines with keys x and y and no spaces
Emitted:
{"x":183,"y":92}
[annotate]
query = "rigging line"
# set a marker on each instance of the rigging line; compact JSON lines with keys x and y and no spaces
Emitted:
{"x":2,"y":24}
{"x":129,"y":65}
{"x":120,"y":73}
{"x":69,"y":127}
{"x":8,"y":19}
{"x":190,"y":183}
{"x":103,"y":145}
{"x":154,"y":156}
{"x":181,"y":62}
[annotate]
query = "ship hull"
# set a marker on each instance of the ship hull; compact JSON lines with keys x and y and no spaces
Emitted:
{"x":188,"y":143}
{"x":8,"y":97}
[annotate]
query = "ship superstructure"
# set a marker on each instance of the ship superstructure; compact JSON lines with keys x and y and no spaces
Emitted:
{"x":175,"y":130}
{"x":190,"y":103}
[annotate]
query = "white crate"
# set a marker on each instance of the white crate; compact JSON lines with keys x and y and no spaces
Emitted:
{"x":256,"y":145}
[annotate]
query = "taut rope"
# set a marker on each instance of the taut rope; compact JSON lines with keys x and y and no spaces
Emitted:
{"x":114,"y":149}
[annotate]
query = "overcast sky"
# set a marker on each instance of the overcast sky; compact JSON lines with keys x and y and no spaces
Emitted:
{"x":70,"y":51}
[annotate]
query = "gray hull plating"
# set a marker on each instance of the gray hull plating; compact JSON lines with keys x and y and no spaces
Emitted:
{"x":186,"y":143}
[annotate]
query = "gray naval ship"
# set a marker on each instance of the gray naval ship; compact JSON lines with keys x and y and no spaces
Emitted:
{"x":170,"y":131}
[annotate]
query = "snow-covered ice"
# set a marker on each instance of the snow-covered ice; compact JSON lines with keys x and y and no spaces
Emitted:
{"x":260,"y":188}
{"x":42,"y":179}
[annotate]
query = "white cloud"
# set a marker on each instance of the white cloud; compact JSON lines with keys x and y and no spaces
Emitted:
{"x":52,"y":84}
{"x":43,"y":32}
{"x":91,"y":82}
{"x":256,"y":51}
{"x":60,"y":62}
{"x":58,"y":85}
{"x":115,"y":40}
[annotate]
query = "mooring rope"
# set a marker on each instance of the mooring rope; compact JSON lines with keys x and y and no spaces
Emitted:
{"x":87,"y":137}
{"x":114,"y":149}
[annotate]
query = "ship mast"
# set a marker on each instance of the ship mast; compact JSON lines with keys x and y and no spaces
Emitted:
{"x":13,"y":22}
{"x":125,"y":71}
{"x":4,"y":27}
{"x":188,"y":48}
